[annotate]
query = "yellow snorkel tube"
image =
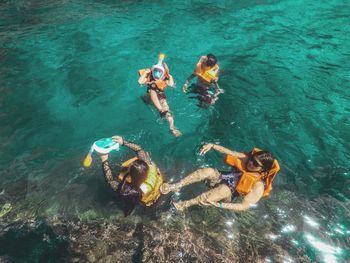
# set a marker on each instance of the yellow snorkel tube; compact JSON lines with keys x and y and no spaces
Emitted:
{"x":161,"y":57}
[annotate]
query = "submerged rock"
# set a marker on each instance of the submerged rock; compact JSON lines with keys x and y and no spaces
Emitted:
{"x":198,"y":235}
{"x":78,"y":241}
{"x":6,"y":208}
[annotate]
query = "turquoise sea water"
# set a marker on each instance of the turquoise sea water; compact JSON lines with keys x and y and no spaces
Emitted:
{"x":68,"y":76}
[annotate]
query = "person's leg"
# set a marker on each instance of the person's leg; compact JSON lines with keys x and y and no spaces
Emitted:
{"x":197,"y":176}
{"x":155,"y":100}
{"x":169,"y":117}
{"x":221,"y":192}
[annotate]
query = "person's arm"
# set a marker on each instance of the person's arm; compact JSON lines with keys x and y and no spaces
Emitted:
{"x":206,"y":148}
{"x":190,"y":77}
{"x":169,"y":79}
{"x":252,"y":198}
{"x":143,"y":78}
{"x":217,"y":90}
{"x":170,"y":82}
{"x":141,"y":154}
{"x":107,"y":172}
{"x":202,"y":60}
{"x":187,"y":81}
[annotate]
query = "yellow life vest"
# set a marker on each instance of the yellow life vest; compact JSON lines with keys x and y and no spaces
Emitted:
{"x":249,"y":179}
{"x":209,"y":75}
{"x":150,"y":186}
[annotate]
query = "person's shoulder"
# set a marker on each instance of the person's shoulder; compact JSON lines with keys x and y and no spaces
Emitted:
{"x":202,"y":59}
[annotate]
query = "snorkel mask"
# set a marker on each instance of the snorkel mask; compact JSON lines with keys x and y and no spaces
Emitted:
{"x":102,"y":146}
{"x":158,"y":70}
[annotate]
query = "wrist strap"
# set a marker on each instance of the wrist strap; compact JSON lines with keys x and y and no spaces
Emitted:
{"x":221,"y":205}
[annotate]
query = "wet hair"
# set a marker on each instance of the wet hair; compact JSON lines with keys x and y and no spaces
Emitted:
{"x":266,"y":159}
{"x":138,"y":172}
{"x":211,"y":60}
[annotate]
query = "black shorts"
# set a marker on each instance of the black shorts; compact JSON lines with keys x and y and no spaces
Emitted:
{"x":231,"y":179}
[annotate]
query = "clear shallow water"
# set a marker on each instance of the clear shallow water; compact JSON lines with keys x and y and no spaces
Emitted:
{"x":68,"y":76}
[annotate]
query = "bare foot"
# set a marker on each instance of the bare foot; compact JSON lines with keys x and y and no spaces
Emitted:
{"x":164,"y":188}
{"x":179,"y":206}
{"x":167,"y":188}
{"x":175,"y":132}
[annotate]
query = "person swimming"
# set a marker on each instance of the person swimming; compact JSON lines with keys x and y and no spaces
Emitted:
{"x":207,"y":89}
{"x":138,"y":181}
{"x":251,"y":177}
{"x":157,"y":79}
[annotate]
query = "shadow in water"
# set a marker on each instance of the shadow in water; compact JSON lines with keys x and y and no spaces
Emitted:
{"x":138,"y":255}
{"x":38,"y":244}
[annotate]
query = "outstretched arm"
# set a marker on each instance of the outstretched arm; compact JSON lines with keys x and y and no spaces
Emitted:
{"x":252,"y":198}
{"x":206,"y":148}
{"x":141,"y":154}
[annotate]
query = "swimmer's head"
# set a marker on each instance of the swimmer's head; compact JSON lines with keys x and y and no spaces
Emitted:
{"x":138,"y":173}
{"x":158,"y":72}
{"x":261,"y":161}
{"x":211,"y":60}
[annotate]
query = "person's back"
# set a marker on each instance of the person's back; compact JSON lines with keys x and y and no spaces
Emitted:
{"x":138,"y":181}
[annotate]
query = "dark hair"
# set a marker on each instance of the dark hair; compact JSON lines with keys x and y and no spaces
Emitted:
{"x":138,"y":172}
{"x":266,"y":159}
{"x":211,"y":60}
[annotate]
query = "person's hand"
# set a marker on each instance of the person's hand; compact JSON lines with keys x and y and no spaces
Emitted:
{"x":221,"y":91}
{"x":206,"y":148}
{"x":118,"y":139}
{"x":185,"y":86}
{"x":173,"y":85}
{"x":103,"y":157}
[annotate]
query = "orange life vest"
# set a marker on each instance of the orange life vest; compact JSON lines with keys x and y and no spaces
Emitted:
{"x":208,"y":75}
{"x":160,"y":83}
{"x":249,"y":179}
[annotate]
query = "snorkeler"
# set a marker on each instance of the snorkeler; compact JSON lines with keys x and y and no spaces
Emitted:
{"x":251,"y":176}
{"x":157,"y":79}
{"x":207,"y":88}
{"x":138,"y":181}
